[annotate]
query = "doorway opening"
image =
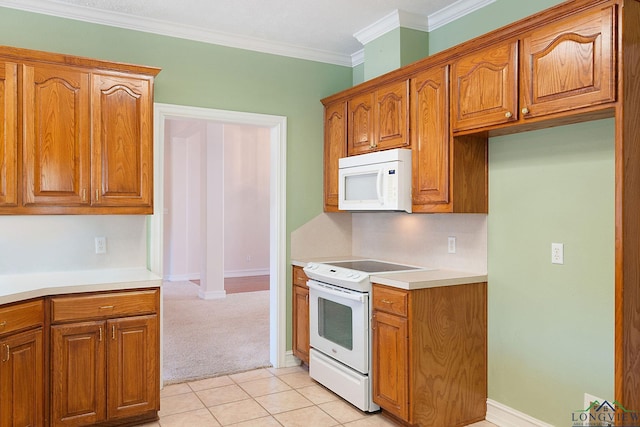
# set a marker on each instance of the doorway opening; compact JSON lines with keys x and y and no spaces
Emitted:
{"x":277,"y":206}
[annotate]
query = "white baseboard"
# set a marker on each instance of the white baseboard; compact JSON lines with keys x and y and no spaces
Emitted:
{"x":247,"y":273}
{"x":182,"y":277}
{"x":212,"y":294}
{"x":504,"y":416}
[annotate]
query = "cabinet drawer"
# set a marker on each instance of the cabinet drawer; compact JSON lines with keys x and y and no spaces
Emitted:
{"x":299,"y":278}
{"x":103,"y":305}
{"x":21,"y":316}
{"x":394,"y":301}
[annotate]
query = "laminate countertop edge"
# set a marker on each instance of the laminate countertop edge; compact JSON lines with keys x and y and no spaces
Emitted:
{"x":421,"y":279}
{"x":21,"y":287}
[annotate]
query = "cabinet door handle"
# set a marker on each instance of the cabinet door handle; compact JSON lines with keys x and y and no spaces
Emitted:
{"x":8,"y":353}
{"x":97,"y":195}
{"x":100,"y":336}
{"x":525,"y":110}
{"x":84,"y":194}
{"x":3,"y":324}
{"x":113,"y":332}
{"x":306,"y":298}
{"x":508,"y":114}
{"x":106,"y":307}
{"x":386,"y":301}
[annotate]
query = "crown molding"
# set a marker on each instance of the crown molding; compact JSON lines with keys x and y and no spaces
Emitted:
{"x":121,"y":20}
{"x":397,"y":18}
{"x":357,"y":58}
{"x":455,"y":11}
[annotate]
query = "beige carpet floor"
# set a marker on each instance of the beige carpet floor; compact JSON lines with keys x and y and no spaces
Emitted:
{"x":207,"y":338}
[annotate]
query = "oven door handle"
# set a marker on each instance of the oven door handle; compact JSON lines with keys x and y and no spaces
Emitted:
{"x":353,"y":296}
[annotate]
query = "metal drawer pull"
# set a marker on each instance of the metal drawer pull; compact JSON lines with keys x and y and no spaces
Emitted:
{"x":386,"y":301}
{"x":106,"y":307}
{"x":8,"y":353}
{"x":100,"y":337}
{"x":3,"y":324}
{"x":113,"y":332}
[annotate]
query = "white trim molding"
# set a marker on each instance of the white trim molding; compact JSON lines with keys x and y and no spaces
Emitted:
{"x":247,"y":273}
{"x":278,"y":208}
{"x":504,"y":416}
{"x":397,"y":18}
{"x":455,"y":11}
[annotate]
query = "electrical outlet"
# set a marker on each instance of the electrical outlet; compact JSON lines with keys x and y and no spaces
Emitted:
{"x":101,"y":245}
{"x":451,"y":248}
{"x":557,"y":253}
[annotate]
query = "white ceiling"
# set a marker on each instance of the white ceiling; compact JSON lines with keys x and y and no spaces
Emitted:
{"x":324,"y":30}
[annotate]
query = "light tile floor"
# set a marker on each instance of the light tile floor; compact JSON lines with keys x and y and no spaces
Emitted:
{"x":262,"y":398}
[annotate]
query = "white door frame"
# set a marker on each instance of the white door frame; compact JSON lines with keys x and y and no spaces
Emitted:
{"x":277,"y":233}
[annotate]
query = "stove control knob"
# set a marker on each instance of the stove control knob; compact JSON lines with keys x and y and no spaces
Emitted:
{"x":312,"y":266}
{"x":356,"y":276}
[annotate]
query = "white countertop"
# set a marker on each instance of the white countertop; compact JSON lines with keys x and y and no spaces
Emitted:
{"x":412,"y":279}
{"x":427,"y":279}
{"x":19,"y":287}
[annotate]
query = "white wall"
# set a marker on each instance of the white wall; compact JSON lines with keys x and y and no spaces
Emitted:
{"x":48,"y":243}
{"x":226,"y":166}
{"x":421,"y":239}
{"x":418,"y":239}
{"x":246,"y":200}
{"x":183,"y":153}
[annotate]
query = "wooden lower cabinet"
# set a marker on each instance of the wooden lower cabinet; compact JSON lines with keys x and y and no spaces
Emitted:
{"x":21,"y":380}
{"x":106,"y":371}
{"x":430,"y":354}
{"x":300,"y":310}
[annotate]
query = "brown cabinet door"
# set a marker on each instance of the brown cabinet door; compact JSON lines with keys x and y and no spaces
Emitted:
{"x":430,"y":138}
{"x":485,"y":87}
{"x":122,"y":142}
{"x":569,"y":64}
{"x":8,"y":134}
{"x":78,"y":374}
{"x":392,"y":116}
{"x":56,"y":153}
{"x":301,"y":323}
{"x":21,"y":380}
{"x":133,"y":366}
{"x":391,"y":363}
{"x":335,"y":147}
{"x":360,"y":123}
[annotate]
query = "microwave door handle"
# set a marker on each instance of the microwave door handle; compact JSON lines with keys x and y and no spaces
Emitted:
{"x":379,"y":186}
{"x":346,"y":295}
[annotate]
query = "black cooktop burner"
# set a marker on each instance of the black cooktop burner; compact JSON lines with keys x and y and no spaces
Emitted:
{"x":372,"y":266}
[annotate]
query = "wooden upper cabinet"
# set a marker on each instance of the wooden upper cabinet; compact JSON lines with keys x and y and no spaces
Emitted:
{"x":379,"y":120}
{"x":430,"y":137}
{"x":335,"y":147}
{"x":76,"y":135}
{"x":392,"y":116}
{"x":485,"y":87}
{"x":122,"y":142}
{"x":8,"y":134}
{"x":361,"y":138}
{"x":569,"y":64}
{"x":57,"y":136}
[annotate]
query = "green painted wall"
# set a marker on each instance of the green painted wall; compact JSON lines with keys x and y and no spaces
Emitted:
{"x":551,"y":327}
{"x":393,"y":50}
{"x":206,"y":75}
{"x":358,"y":74}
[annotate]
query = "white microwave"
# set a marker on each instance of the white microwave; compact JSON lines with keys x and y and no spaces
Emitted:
{"x":378,"y":181}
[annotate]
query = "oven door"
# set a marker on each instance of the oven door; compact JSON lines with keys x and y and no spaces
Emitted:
{"x":339,"y":324}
